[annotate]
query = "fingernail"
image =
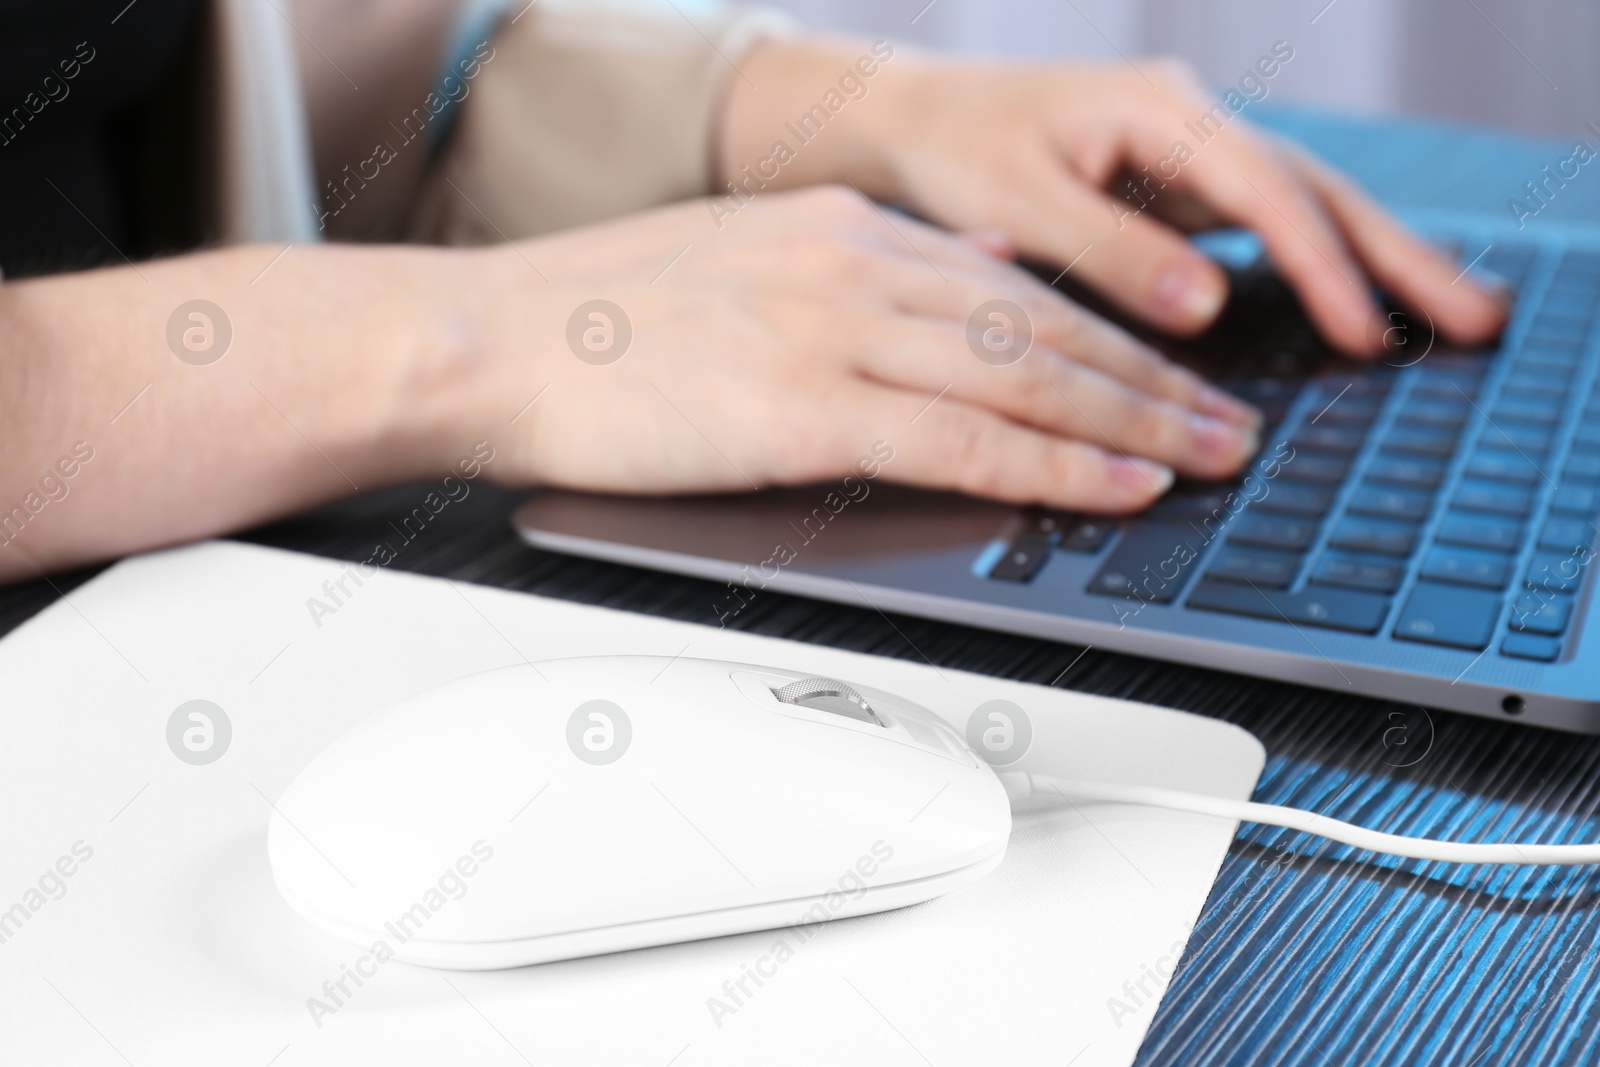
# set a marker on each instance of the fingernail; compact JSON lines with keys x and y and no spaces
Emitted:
{"x":1214,"y":401}
{"x":1222,"y":439}
{"x":1190,"y":292}
{"x":1141,"y":475}
{"x":995,"y":242}
{"x":1492,"y":283}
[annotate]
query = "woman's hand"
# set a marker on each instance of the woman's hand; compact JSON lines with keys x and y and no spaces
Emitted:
{"x":776,"y":346}
{"x":1039,"y":154}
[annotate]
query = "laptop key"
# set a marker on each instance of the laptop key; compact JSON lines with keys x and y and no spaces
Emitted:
{"x":1355,"y":572}
{"x":1048,"y":523}
{"x":1263,"y":567}
{"x":1563,"y":534}
{"x":1556,"y":572}
{"x":1449,"y":615}
{"x":1537,"y":613}
{"x":1152,"y":562}
{"x":1568,"y":304}
{"x":1333,"y":609}
{"x":1270,"y":396}
{"x":1521,"y":407}
{"x":1480,"y":531}
{"x":1447,"y":388}
{"x":1273,"y":531}
{"x":1405,"y":470}
{"x":1087,"y":535}
{"x":1556,"y":333}
{"x":1484,"y":569}
{"x":1568,"y":310}
{"x":1449,"y":383}
{"x":1375,"y":536}
{"x":1577,"y":269}
{"x":1317,"y":467}
{"x":1563,"y":313}
{"x":1531,"y":646}
{"x":1343,"y":440}
{"x":1457,"y":364}
{"x":1530,"y":381}
{"x":1495,"y":499}
{"x":1532,"y":438}
{"x":1582,"y":466}
{"x":1502,"y":466}
{"x":1569,"y":297}
{"x":1371,"y":381}
{"x":1436,"y":411}
{"x":1023,"y":559}
{"x":1295,"y":498}
{"x":1421,"y":440}
{"x":1350,"y":409}
{"x":1543,"y":358}
{"x":1576,"y":499}
{"x":1389,"y":503}
{"x":1189,"y":504}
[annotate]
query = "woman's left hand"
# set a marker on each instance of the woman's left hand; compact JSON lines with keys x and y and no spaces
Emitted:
{"x":1038,"y":159}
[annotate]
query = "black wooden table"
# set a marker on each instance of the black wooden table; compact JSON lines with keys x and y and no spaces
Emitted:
{"x":1303,"y":954}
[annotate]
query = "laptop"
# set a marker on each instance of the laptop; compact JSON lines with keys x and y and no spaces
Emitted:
{"x":1419,"y":528}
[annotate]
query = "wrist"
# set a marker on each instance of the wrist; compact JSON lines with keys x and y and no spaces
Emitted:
{"x":433,"y":336}
{"x":484,"y":339}
{"x":828,"y":110}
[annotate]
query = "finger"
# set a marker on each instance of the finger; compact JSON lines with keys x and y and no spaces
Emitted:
{"x":968,"y":278}
{"x":1046,"y":390}
{"x":1407,"y":268}
{"x":957,"y":446}
{"x":1250,"y":186}
{"x":1134,"y":261}
{"x":1052,"y":321}
{"x":842,"y":213}
{"x":1090,"y":340}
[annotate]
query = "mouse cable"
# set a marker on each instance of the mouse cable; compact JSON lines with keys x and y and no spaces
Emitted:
{"x":1417,"y":848}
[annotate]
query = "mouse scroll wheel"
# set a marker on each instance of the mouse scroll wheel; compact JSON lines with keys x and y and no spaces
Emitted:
{"x":825,"y":694}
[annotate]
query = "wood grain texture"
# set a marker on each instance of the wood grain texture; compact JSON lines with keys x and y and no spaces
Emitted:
{"x":1304,"y":950}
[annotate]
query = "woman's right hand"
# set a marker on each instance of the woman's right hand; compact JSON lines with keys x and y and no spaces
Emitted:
{"x":776,"y":344}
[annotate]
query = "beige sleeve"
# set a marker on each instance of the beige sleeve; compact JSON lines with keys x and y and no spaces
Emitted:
{"x":585,"y":110}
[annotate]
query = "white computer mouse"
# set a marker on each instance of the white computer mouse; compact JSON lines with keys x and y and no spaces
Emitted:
{"x":581,"y":806}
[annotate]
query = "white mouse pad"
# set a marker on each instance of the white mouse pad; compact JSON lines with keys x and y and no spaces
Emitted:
{"x":139,"y":923}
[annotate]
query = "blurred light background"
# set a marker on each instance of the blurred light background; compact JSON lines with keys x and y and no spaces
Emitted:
{"x":1524,"y":65}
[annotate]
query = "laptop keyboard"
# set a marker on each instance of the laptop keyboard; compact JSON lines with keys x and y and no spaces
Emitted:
{"x":1446,"y":498}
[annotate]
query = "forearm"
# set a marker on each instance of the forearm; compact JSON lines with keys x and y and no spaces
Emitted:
{"x":335,"y":378}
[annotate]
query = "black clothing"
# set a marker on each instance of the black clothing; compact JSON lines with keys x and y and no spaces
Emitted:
{"x":98,"y":128}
